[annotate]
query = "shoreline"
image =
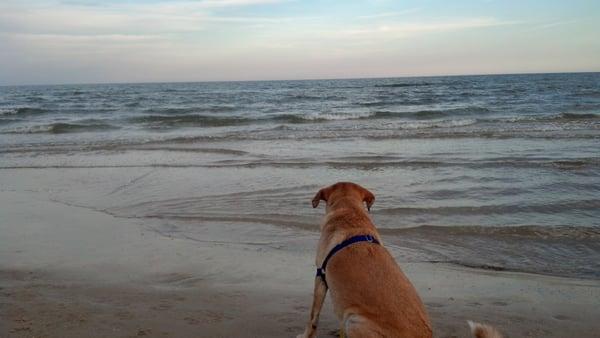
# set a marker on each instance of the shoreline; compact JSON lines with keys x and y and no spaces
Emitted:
{"x":70,"y":272}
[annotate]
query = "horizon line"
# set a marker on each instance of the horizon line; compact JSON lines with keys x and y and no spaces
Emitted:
{"x":300,"y":79}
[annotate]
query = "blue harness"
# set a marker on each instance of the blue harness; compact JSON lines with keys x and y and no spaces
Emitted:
{"x":349,"y":241}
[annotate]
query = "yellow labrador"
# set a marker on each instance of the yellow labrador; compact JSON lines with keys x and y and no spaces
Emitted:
{"x":370,"y":294}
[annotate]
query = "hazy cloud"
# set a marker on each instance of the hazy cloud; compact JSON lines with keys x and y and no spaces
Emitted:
{"x":390,"y":14}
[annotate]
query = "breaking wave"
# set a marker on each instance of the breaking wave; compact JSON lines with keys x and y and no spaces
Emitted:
{"x":61,"y":128}
{"x":22,"y":111}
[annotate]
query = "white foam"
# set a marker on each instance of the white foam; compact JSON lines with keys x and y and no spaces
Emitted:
{"x":437,"y":124}
{"x":337,"y":116}
{"x":8,"y":111}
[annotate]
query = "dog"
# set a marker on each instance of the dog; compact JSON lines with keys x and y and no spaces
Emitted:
{"x":371,"y":296}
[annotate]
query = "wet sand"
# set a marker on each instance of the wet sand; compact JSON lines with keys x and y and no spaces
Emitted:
{"x":68,"y":271}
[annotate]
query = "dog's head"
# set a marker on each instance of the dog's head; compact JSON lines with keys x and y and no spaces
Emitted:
{"x":344,"y":190}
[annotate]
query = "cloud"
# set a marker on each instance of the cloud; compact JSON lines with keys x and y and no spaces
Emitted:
{"x":360,"y":38}
{"x":82,"y":20}
{"x":410,"y":28}
{"x":202,"y":4}
{"x":123,"y":18}
{"x":236,"y":3}
{"x":555,"y":24}
{"x":390,"y":14}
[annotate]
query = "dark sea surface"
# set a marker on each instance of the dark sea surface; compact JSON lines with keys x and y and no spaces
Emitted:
{"x":493,"y":172}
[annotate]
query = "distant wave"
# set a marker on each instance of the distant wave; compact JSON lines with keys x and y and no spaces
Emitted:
{"x":402,"y":125}
{"x":21,"y":111}
{"x":30,"y":112}
{"x":190,"y":115}
{"x":567,"y":116}
{"x":404,"y":120}
{"x":438,"y":124}
{"x":588,"y":93}
{"x":429,"y":114}
{"x":221,"y":151}
{"x":174,"y":120}
{"x":426,"y":132}
{"x":432,"y":113}
{"x":578,"y":116}
{"x":328,"y":116}
{"x":144,"y":146}
{"x":396,"y":102}
{"x":384,"y":162}
{"x":384,"y":114}
{"x":397,"y":85}
{"x":419,"y":115}
{"x":360,"y":164}
{"x":191,"y":110}
{"x":561,"y":117}
{"x":183,"y":120}
{"x":307,"y":97}
{"x":61,"y":128}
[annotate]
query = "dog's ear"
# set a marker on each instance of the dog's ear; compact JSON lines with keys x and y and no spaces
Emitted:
{"x":322,"y":195}
{"x":368,"y":198}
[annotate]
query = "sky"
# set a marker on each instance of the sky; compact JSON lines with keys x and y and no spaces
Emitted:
{"x":91,"y":41}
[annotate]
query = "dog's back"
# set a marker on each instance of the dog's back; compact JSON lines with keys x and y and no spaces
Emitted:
{"x":367,"y":286}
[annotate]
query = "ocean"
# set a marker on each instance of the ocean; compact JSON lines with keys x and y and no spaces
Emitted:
{"x":496,"y":172}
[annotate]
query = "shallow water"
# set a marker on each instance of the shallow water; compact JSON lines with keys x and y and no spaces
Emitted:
{"x":498,"y":172}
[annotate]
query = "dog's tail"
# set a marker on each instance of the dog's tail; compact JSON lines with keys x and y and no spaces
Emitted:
{"x":483,"y":331}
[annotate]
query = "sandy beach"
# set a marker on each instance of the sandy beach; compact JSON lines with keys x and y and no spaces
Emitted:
{"x":69,"y":271}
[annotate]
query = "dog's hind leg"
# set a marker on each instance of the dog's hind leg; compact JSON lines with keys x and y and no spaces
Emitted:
{"x":318,"y":298}
{"x":356,"y":326}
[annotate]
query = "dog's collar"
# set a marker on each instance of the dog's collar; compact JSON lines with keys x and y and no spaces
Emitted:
{"x":349,"y":241}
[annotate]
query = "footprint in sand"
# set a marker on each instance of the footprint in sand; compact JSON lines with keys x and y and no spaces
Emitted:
{"x":207,"y":317}
{"x":500,"y":303}
{"x":20,"y":329}
{"x":517,"y":319}
{"x":124,"y":315}
{"x":301,"y":308}
{"x":561,"y":317}
{"x":294,"y":329}
{"x":192,"y":321}
{"x":162,"y":307}
{"x":143,"y":332}
{"x":286,"y":318}
{"x":435,"y":304}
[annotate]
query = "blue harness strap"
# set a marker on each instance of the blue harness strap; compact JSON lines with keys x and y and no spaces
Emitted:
{"x":349,"y":241}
